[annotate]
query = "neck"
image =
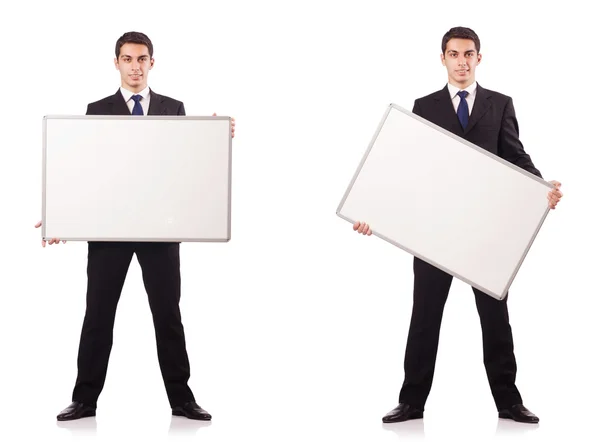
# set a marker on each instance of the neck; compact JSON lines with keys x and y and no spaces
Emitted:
{"x":135,"y":90}
{"x":462,"y":85}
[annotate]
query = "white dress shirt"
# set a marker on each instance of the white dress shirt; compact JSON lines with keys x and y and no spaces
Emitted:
{"x":145,"y":101}
{"x":472,"y":90}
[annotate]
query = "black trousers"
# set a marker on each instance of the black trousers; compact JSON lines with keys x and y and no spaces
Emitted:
{"x":431,"y":289}
{"x":108,"y":263}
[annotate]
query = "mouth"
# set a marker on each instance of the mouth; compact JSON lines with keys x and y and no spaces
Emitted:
{"x":462,"y":71}
{"x":135,"y":76}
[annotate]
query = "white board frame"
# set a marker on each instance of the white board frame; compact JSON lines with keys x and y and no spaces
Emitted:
{"x":49,"y":231}
{"x":486,"y":157}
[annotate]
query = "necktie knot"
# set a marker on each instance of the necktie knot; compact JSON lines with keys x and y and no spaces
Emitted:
{"x":462,"y":94}
{"x":137,"y":98}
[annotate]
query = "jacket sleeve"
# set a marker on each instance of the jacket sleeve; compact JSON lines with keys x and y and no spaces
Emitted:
{"x":509,"y":146}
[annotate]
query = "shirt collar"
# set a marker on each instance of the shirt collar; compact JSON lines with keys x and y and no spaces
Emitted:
{"x":127,"y":94}
{"x":454,"y":90}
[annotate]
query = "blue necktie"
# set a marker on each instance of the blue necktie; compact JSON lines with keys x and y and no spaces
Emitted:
{"x":137,"y":107}
{"x":463,"y":109}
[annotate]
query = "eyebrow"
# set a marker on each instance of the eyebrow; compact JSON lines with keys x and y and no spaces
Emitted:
{"x":456,"y":52}
{"x":129,"y":56}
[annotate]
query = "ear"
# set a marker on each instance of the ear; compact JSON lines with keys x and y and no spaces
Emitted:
{"x":478,"y":58}
{"x":151,"y":63}
{"x":116,"y":64}
{"x":443,"y":59}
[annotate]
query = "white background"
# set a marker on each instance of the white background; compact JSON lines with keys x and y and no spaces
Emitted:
{"x":296,"y":329}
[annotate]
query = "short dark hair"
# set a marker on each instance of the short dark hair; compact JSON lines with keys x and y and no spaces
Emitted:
{"x":460,"y":32}
{"x":133,"y":37}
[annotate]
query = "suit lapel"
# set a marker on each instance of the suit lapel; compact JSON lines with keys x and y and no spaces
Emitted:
{"x":445,"y":109}
{"x":117,"y":105}
{"x":480,"y":107}
{"x":157,"y":106}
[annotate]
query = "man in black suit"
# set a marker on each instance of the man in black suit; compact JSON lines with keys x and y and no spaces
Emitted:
{"x":108,"y":263}
{"x":487,"y":119}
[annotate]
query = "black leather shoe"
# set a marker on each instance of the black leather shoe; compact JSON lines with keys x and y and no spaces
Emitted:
{"x":401,"y":413}
{"x":519,"y":413}
{"x":76,"y":410}
{"x":192,"y":410}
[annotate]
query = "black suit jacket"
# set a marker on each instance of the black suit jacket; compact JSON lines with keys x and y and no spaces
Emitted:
{"x":115,"y":105}
{"x":492,"y":124}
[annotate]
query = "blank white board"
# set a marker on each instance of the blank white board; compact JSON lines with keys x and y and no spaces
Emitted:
{"x":447,"y":201}
{"x":131,"y":178}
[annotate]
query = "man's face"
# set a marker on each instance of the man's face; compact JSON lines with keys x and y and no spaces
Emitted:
{"x":461,"y":59}
{"x":134,"y":63}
